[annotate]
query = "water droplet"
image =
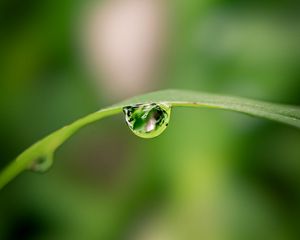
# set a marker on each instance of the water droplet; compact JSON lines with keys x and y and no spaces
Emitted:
{"x":147,"y":120}
{"x":42,"y":164}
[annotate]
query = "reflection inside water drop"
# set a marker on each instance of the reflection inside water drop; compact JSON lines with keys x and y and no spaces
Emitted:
{"x":147,"y":120}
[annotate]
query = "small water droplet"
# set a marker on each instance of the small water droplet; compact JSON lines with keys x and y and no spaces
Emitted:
{"x":42,"y":164}
{"x":147,"y":120}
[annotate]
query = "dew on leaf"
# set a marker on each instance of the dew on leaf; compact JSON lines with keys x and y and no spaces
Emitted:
{"x":147,"y":120}
{"x":42,"y":164}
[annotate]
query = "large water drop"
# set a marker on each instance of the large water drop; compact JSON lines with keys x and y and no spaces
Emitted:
{"x":147,"y":120}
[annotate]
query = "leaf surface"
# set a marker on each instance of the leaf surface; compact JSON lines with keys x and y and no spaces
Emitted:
{"x":46,"y":147}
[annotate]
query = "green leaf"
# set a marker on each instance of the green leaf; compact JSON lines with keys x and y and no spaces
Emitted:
{"x":44,"y":149}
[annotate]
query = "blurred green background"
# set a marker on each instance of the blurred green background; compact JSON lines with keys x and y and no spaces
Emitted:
{"x":211,"y":175}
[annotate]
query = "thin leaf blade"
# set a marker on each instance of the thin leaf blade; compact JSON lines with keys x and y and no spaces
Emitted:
{"x":176,"y":98}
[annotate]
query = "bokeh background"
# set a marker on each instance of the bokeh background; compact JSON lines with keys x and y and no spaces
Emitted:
{"x":212,"y":174}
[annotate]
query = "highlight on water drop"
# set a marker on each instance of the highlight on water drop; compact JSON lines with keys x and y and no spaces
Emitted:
{"x":147,"y":120}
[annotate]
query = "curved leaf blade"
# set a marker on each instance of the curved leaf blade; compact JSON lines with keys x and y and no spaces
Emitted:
{"x":277,"y":112}
{"x":176,"y":98}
